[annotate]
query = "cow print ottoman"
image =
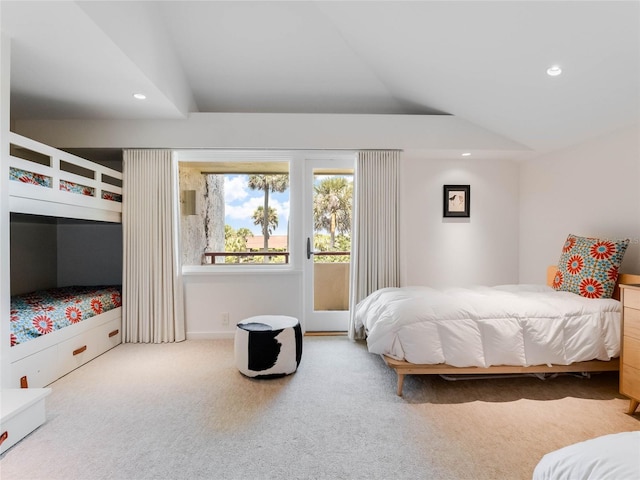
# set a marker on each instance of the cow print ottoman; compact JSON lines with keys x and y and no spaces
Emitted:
{"x":268,"y":346}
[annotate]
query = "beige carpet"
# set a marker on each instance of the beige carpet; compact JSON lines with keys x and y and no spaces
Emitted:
{"x":183,"y":411}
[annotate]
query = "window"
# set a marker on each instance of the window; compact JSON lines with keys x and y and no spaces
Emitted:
{"x":234,"y":211}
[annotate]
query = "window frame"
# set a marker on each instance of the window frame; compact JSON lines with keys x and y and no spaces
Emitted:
{"x":296,"y":159}
{"x":203,"y":157}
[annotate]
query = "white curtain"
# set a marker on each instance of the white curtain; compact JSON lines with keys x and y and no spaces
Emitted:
{"x":153,"y":309}
{"x":374,"y":246}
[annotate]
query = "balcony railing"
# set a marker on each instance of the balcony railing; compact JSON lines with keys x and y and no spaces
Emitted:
{"x":210,"y":257}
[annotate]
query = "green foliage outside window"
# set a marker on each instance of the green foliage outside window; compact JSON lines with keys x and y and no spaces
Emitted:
{"x":332,"y":209}
{"x":322,"y":243}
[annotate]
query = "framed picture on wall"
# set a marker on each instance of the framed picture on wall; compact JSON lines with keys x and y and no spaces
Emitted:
{"x":456,"y":200}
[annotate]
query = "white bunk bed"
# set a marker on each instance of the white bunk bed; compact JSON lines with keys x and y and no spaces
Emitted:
{"x":53,"y":200}
{"x":42,"y":360}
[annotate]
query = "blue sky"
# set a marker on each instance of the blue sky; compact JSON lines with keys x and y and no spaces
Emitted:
{"x":241,"y":202}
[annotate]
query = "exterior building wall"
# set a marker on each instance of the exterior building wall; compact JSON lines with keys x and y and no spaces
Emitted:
{"x":203,"y":227}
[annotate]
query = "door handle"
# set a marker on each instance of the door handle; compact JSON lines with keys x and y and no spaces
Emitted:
{"x":309,"y":251}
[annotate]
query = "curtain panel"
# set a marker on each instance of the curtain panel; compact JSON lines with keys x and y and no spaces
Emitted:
{"x":375,"y":237}
{"x":153,"y":310}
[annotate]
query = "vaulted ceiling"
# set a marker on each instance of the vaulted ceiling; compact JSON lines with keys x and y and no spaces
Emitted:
{"x":483,"y":61}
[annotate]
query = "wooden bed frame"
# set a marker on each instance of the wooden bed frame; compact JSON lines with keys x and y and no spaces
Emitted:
{"x":403,"y":368}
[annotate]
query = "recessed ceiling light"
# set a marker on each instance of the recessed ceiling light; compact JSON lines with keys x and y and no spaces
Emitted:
{"x":466,"y":154}
{"x":139,"y":96}
{"x":554,"y":70}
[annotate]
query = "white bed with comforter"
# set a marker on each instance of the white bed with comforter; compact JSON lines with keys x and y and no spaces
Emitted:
{"x":491,"y":330}
{"x":615,"y":457}
{"x":485,"y":326}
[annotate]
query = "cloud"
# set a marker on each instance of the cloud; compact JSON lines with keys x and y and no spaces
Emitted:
{"x":244,"y":210}
{"x":283,"y":212}
{"x":235,"y":188}
{"x":241,"y":202}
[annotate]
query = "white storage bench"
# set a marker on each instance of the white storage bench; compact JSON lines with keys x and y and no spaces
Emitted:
{"x":22,"y":410}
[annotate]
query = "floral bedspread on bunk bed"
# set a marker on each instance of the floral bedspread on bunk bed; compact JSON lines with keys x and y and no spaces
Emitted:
{"x":38,"y":179}
{"x":38,"y":313}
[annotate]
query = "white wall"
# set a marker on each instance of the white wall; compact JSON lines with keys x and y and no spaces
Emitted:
{"x":592,"y":189}
{"x":481,"y":249}
{"x":275,"y":131}
{"x":241,"y":296}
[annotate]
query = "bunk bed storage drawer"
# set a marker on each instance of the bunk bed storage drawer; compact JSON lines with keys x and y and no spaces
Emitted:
{"x":109,"y":335}
{"x":41,"y":368}
{"x":78,"y":350}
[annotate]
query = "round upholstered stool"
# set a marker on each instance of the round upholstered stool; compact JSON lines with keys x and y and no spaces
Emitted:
{"x":268,"y":346}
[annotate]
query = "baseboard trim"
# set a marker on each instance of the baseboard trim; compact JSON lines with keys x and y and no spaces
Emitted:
{"x":325,"y":334}
{"x":210,"y":335}
{"x":228,"y":335}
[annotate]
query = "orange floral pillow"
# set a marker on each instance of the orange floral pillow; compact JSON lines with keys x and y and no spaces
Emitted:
{"x":589,"y":266}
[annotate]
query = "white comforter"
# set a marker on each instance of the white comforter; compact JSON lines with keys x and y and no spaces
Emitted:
{"x":485,"y":326}
{"x":615,"y":457}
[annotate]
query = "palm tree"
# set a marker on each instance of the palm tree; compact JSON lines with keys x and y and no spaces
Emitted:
{"x":332,"y":203}
{"x":244,"y":233}
{"x":268,"y":183}
{"x":272,"y":219}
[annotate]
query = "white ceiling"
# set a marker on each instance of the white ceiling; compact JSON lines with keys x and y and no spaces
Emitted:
{"x":482,"y":61}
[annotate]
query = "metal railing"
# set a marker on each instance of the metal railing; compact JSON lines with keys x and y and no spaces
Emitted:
{"x":318,"y":254}
{"x":210,"y":257}
{"x":213,"y":255}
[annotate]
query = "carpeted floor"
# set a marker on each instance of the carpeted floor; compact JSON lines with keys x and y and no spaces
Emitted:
{"x":183,"y":411}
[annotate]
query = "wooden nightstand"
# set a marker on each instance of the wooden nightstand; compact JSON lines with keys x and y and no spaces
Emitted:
{"x":630,"y":354}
